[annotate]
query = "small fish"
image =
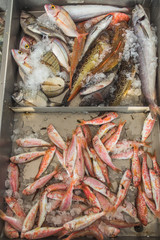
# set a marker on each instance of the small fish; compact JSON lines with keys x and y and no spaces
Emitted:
{"x":60,"y":158}
{"x":54,"y":205}
{"x":104,"y":202}
{"x":46,"y":161}
{"x":123,"y":155}
{"x":108,"y":231}
{"x":55,"y":137}
{"x":51,"y":61}
{"x":147,"y":127}
{"x":13,"y":175}
{"x":38,"y":183}
{"x":103,"y":153}
{"x":151,"y":205}
{"x":104,"y":129}
{"x":15,"y":207}
{"x":146,"y":178}
{"x":120,"y":224}
{"x":71,"y":155}
{"x":111,"y":142}
{"x":9,"y":231}
{"x":26,"y":157}
{"x":26,"y":44}
{"x":105,"y":118}
{"x":108,"y":134}
{"x":141,"y":207}
{"x":155,"y":182}
{"x":128,"y":144}
{"x":88,"y":162}
{"x":42,"y":208}
{"x":67,"y":199}
{"x":32,"y":142}
{"x":87,"y":134}
{"x":56,"y":186}
{"x":155,"y":163}
{"x":15,"y":223}
{"x":90,"y":196}
{"x":30,"y":219}
{"x":42,"y":232}
{"x":97,"y":169}
{"x":136,"y":168}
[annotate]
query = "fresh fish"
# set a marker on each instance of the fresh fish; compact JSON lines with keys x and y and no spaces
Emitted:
{"x":32,"y":142}
{"x":151,"y":205}
{"x":26,"y":157}
{"x":46,"y":161}
{"x":9,"y":231}
{"x":42,"y":208}
{"x":13,"y":175}
{"x":63,"y":20}
{"x":27,"y":19}
{"x":59,"y":195}
{"x":60,"y":158}
{"x":141,"y":207}
{"x":147,"y":56}
{"x":97,"y":169}
{"x":51,"y":61}
{"x":71,"y":155}
{"x":111,"y":142}
{"x":42,"y":232}
{"x":103,"y":153}
{"x":105,"y":118}
{"x":88,"y":162}
{"x":128,"y":144}
{"x":56,"y":186}
{"x":155,"y":182}
{"x":67,"y":199}
{"x":104,"y":202}
{"x":87,"y":134}
{"x":38,"y":183}
{"x":60,"y":52}
{"x":120,"y":224}
{"x":30,"y":219}
{"x":15,"y":223}
{"x":95,"y":31}
{"x":108,"y":134}
{"x":123,"y":155}
{"x":15,"y":207}
{"x":136,"y":168}
{"x":53,"y":86}
{"x":55,"y":137}
{"x":26,"y":44}
{"x":147,"y":127}
{"x":104,"y":129}
{"x":146,"y":178}
{"x":90,"y":196}
{"x":155,"y":163}
{"x":54,"y":205}
{"x":83,"y":12}
{"x":108,"y":231}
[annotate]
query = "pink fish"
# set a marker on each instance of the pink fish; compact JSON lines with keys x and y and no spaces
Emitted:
{"x":120,"y":224}
{"x":141,"y":207}
{"x":46,"y":161}
{"x":9,"y":231}
{"x":55,"y":137}
{"x":88,"y":162}
{"x":123,"y":155}
{"x":60,"y":158}
{"x":42,"y":208}
{"x":136,"y":168}
{"x":155,"y":182}
{"x":105,"y":128}
{"x":87,"y":134}
{"x":146,"y":178}
{"x":14,"y":222}
{"x":108,"y":134}
{"x":104,"y":202}
{"x":151,"y":205}
{"x":54,"y":205}
{"x":56,"y":186}
{"x":13,"y":175}
{"x":42,"y":232}
{"x":26,"y":157}
{"x":147,"y":127}
{"x":90,"y":196}
{"x":96,"y":167}
{"x":108,"y":231}
{"x":155,"y":163}
{"x":71,"y":155}
{"x":103,"y":153}
{"x":32,"y":142}
{"x":59,"y":195}
{"x":105,"y":118}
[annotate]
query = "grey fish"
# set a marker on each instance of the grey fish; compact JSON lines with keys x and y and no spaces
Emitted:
{"x":147,"y":56}
{"x":83,"y":12}
{"x":27,"y":19}
{"x":95,"y":31}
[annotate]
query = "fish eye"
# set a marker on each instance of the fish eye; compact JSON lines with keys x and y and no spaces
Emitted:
{"x":26,"y":46}
{"x":53,"y":7}
{"x":19,"y":52}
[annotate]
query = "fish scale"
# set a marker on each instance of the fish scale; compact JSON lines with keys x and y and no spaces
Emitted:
{"x":50,"y":60}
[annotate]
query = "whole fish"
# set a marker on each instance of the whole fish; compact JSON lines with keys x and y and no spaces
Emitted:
{"x":87,"y":134}
{"x":59,"y":195}
{"x":155,"y":182}
{"x":155,"y":163}
{"x":105,"y":118}
{"x":136,"y":168}
{"x":88,"y":162}
{"x":146,"y":178}
{"x":60,"y":158}
{"x":108,"y":231}
{"x":38,"y":183}
{"x":42,"y":232}
{"x":26,"y":157}
{"x":67,"y":199}
{"x":105,"y":128}
{"x":108,"y":134}
{"x":147,"y":127}
{"x":95,"y":31}
{"x":55,"y":137}
{"x":120,"y":224}
{"x":141,"y":207}
{"x":71,"y":155}
{"x":26,"y":44}
{"x":32,"y":142}
{"x":9,"y":231}
{"x":97,"y":169}
{"x":27,"y":19}
{"x":103,"y":153}
{"x":90,"y":196}
{"x":83,"y":12}
{"x":30,"y":219}
{"x":15,"y":207}
{"x":13,"y":175}
{"x":14,"y":222}
{"x":151,"y":205}
{"x":147,"y":56}
{"x":125,"y":144}
{"x":42,"y":208}
{"x":56,"y":186}
{"x":46,"y":161}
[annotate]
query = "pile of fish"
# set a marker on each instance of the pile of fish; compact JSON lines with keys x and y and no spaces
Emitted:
{"x":89,"y":44}
{"x":2,"y":24}
{"x":81,"y":179}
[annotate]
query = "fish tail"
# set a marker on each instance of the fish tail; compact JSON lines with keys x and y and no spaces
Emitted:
{"x":2,"y":215}
{"x":74,"y":93}
{"x":147,"y":144}
{"x":118,"y":170}
{"x":154,"y":110}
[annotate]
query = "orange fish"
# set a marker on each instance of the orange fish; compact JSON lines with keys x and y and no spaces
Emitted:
{"x":155,"y":163}
{"x":146,"y":178}
{"x":9,"y":231}
{"x":147,"y":127}
{"x":136,"y":168}
{"x":141,"y":207}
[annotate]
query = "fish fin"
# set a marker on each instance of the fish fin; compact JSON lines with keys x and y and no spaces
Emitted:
{"x":74,"y":93}
{"x":2,"y":215}
{"x":147,"y":144}
{"x":81,"y":35}
{"x":154,"y":110}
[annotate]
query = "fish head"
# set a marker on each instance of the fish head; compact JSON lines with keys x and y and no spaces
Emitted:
{"x":19,"y":56}
{"x":52,"y":10}
{"x":119,"y":17}
{"x":25,"y":45}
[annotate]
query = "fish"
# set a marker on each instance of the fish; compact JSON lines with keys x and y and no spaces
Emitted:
{"x":55,"y":137}
{"x":2,"y":25}
{"x":54,"y":205}
{"x":155,"y":182}
{"x":51,"y":61}
{"x":151,"y":205}
{"x":58,"y":195}
{"x":15,"y":207}
{"x":108,"y":134}
{"x":90,"y":196}
{"x":42,"y":208}
{"x":108,"y":231}
{"x":14,"y":222}
{"x":30,"y":219}
{"x":97,"y":169}
{"x":147,"y":56}
{"x":60,"y":158}
{"x":136,"y":168}
{"x":83,"y":12}
{"x":56,"y":186}
{"x":120,"y":224}
{"x":49,"y":155}
{"x":155,"y":163}
{"x":71,"y":155}
{"x":145,"y":177}
{"x":105,"y":118}
{"x":26,"y":157}
{"x":31,"y":188}
{"x":88,"y":162}
{"x":141,"y":207}
{"x":42,"y":232}
{"x":103,"y":153}
{"x":13,"y":175}
{"x":32,"y":142}
{"x":95,"y":31}
{"x":9,"y":231}
{"x":147,"y":127}
{"x":87,"y":134}
{"x":60,"y":52}
{"x":27,"y":19}
{"x":104,"y":129}
{"x":26,"y":44}
{"x":128,"y":144}
{"x":67,"y":199}
{"x":111,"y":142}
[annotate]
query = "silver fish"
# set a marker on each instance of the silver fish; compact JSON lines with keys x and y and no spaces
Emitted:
{"x":147,"y":56}
{"x":95,"y":31}
{"x":83,"y":12}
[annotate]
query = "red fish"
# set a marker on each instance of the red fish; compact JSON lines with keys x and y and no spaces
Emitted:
{"x":105,"y":118}
{"x":105,"y":128}
{"x":13,"y":175}
{"x":147,"y":127}
{"x":55,"y":137}
{"x":155,"y":163}
{"x":26,"y":157}
{"x":141,"y":207}
{"x":16,"y":208}
{"x":71,"y":155}
{"x":90,"y":196}
{"x":151,"y":205}
{"x":155,"y":182}
{"x":108,"y":134}
{"x":87,"y":134}
{"x":136,"y":168}
{"x":32,"y":142}
{"x":146,"y":178}
{"x":9,"y":231}
{"x":56,"y":186}
{"x":88,"y":162}
{"x":42,"y":208}
{"x":15,"y":223}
